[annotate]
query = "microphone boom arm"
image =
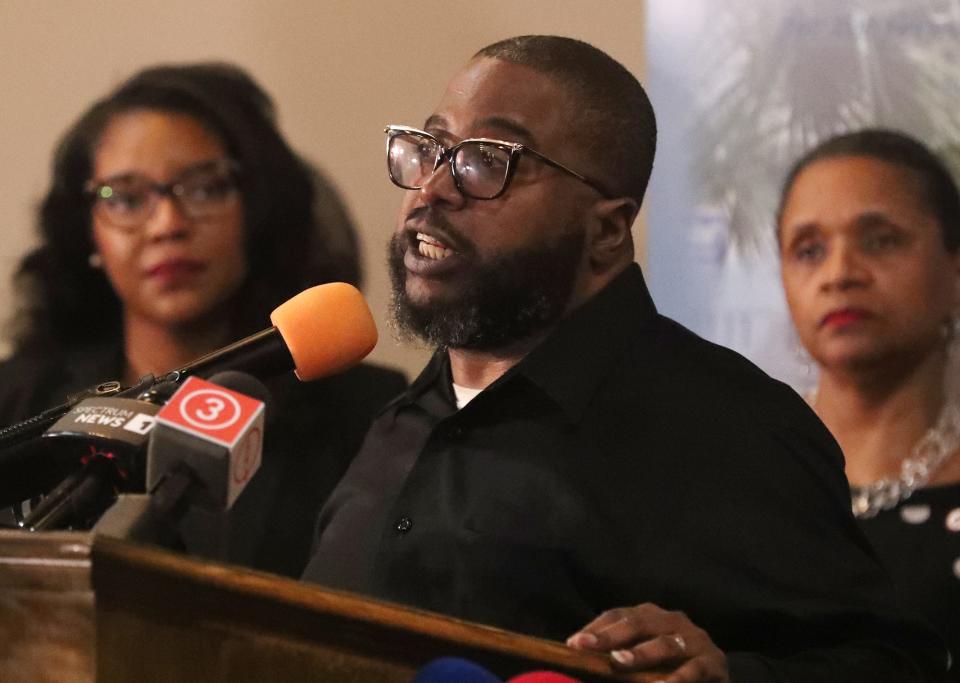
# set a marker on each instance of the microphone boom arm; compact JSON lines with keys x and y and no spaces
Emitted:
{"x":34,"y":426}
{"x":264,"y":352}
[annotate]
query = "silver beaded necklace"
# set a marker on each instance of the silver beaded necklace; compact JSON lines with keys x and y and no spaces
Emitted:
{"x":930,"y":452}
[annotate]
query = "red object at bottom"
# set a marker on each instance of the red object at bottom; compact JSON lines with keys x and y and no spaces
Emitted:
{"x":542,"y":677}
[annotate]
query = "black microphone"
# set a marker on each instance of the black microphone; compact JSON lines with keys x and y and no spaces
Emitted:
{"x":16,"y":434}
{"x":108,"y":428}
{"x":202,"y":453}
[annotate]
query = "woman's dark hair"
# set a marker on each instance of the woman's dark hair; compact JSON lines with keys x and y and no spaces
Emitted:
{"x":298,"y":232}
{"x":899,"y":149}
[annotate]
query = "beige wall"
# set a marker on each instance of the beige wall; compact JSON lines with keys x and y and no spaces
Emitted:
{"x":338,"y":71}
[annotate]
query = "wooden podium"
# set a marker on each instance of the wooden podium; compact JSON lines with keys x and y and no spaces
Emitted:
{"x":77,"y":607}
{"x":46,"y":608}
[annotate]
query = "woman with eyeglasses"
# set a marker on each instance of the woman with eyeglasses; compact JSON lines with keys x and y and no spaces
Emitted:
{"x":869,"y":236}
{"x":177,"y":218}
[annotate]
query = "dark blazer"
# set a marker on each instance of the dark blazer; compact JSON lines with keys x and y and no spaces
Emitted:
{"x":624,"y":460}
{"x":313,"y":430}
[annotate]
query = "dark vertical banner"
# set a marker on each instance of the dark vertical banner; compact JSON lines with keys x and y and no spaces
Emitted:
{"x":741,"y":89}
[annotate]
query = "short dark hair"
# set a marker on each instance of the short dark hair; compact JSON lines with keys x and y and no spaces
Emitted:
{"x":900,"y":149}
{"x":298,"y":232}
{"x":615,"y":114}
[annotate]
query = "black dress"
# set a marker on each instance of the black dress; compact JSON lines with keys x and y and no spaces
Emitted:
{"x":919,"y":541}
{"x":313,"y":431}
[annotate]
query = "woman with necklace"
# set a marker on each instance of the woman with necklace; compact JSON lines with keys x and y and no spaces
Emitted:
{"x":869,"y":238}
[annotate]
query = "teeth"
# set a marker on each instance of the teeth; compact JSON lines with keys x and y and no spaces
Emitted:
{"x":433,"y":252}
{"x":423,"y":237}
{"x":431,"y":248}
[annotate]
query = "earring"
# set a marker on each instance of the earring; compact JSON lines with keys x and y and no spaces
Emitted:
{"x":95,"y":261}
{"x":803,"y":358}
{"x":951,"y":335}
{"x":950,"y":329}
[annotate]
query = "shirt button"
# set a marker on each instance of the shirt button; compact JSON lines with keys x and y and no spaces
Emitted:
{"x":455,"y":433}
{"x":953,"y":520}
{"x":404,"y":524}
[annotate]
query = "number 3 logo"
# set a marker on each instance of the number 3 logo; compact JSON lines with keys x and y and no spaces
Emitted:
{"x":215,"y":406}
{"x":210,"y":409}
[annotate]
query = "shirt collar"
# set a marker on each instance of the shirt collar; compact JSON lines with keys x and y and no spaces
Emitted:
{"x":435,"y":375}
{"x":576,"y":356}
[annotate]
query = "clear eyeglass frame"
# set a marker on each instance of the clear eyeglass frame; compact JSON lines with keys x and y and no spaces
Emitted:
{"x":497,"y":185}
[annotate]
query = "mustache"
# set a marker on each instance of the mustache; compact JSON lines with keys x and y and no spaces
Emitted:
{"x":426,"y":219}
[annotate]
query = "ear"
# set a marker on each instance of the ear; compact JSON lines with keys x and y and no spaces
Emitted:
{"x":608,"y":235}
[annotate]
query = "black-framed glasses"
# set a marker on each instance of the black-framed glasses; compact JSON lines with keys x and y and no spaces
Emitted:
{"x":481,"y":167}
{"x":202,"y":191}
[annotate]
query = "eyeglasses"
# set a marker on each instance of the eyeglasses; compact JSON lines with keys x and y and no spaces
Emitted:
{"x":203,"y":191}
{"x":481,"y":168}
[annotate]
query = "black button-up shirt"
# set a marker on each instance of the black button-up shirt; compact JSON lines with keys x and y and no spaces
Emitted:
{"x":624,"y":460}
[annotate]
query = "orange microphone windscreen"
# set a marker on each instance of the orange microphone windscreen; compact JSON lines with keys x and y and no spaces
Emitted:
{"x":326,"y":328}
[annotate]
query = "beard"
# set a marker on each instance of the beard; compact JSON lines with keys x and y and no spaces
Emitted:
{"x":506,"y":298}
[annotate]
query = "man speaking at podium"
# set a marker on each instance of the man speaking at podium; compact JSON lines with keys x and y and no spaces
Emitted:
{"x":571,"y":462}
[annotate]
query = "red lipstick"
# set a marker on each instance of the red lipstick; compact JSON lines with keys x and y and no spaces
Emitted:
{"x":175,"y":269}
{"x":843,"y":317}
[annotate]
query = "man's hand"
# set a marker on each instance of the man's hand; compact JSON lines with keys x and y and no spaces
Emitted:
{"x":647,"y":637}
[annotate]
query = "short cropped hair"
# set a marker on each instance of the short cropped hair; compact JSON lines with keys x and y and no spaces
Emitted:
{"x":297,"y":231}
{"x":900,"y":149}
{"x":615,"y":113}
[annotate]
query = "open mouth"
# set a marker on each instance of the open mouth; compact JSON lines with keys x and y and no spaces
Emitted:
{"x":432,"y":248}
